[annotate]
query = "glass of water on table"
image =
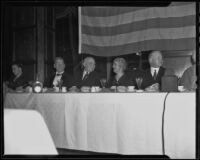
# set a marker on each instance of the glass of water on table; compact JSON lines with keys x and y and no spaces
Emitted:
{"x":139,"y":81}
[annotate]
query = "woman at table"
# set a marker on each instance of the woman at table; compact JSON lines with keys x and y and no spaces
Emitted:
{"x":18,"y":81}
{"x":121,"y":78}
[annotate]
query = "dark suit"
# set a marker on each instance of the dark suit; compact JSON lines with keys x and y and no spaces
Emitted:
{"x":66,"y":78}
{"x":124,"y":80}
{"x":134,"y":74}
{"x":93,"y":79}
{"x":21,"y":81}
{"x":148,"y":79}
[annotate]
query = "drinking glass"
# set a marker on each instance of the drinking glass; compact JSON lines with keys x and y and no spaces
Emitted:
{"x":139,"y":82}
{"x":103,"y":82}
{"x":60,"y":83}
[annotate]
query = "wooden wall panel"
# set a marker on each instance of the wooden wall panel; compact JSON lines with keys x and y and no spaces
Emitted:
{"x":24,"y":16}
{"x":33,"y":36}
{"x":24,"y":39}
{"x":24,"y":44}
{"x":49,"y":40}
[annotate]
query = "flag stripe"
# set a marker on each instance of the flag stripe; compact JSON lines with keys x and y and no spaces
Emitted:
{"x":114,"y":31}
{"x":148,"y":34}
{"x":140,"y":15}
{"x":79,"y":30}
{"x":108,"y":11}
{"x":167,"y":44}
{"x":113,"y":11}
{"x":141,"y":25}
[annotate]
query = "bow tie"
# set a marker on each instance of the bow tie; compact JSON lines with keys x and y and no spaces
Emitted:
{"x":58,"y":74}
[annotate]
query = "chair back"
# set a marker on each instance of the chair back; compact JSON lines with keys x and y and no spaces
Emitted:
{"x":169,"y":83}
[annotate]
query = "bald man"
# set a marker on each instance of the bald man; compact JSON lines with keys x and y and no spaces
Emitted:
{"x":152,"y":76}
{"x":88,"y":77}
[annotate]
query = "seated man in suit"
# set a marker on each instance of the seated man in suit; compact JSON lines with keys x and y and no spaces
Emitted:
{"x":88,"y":77}
{"x":120,"y":78}
{"x":60,"y":77}
{"x":189,"y":77}
{"x":18,"y":81}
{"x":152,"y":76}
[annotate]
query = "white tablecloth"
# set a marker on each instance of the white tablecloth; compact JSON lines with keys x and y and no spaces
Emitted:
{"x":124,"y":123}
{"x":180,"y":121}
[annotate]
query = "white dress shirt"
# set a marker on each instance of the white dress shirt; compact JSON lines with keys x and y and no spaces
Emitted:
{"x":57,"y":78}
{"x":84,"y":73}
{"x":153,"y":69}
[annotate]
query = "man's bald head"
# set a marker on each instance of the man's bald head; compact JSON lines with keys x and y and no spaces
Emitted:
{"x":155,"y":59}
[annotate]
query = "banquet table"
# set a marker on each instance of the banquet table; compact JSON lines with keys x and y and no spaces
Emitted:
{"x":123,"y":123}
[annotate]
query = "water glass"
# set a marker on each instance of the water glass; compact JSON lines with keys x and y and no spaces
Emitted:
{"x":139,"y":82}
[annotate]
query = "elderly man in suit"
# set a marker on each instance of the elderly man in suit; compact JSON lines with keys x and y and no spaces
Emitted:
{"x":88,"y":76}
{"x":152,"y":76}
{"x":60,"y":77}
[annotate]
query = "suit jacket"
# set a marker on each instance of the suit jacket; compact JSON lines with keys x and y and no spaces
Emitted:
{"x":93,"y":79}
{"x":134,"y":74}
{"x":148,"y":79}
{"x":21,"y":81}
{"x":125,"y":80}
{"x":67,"y":80}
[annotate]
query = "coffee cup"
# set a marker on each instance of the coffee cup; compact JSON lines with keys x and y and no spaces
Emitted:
{"x":64,"y":89}
{"x":181,"y":88}
{"x":56,"y":89}
{"x":44,"y":89}
{"x":97,"y":88}
{"x":93,"y":89}
{"x":131,"y":88}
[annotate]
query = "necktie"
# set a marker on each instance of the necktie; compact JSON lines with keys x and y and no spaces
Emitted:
{"x":154,"y":75}
{"x":86,"y":75}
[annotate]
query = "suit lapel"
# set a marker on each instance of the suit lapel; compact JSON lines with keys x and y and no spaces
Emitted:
{"x":160,"y":73}
{"x":85,"y":77}
{"x":121,"y":79}
{"x":88,"y":76}
{"x":149,"y":72}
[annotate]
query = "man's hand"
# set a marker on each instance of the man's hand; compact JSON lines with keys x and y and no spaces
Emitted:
{"x":153,"y":87}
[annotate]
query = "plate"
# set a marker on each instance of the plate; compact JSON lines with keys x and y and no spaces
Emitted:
{"x":140,"y":90}
{"x":121,"y":90}
{"x":113,"y":87}
{"x":131,"y":90}
{"x":85,"y":91}
{"x":19,"y":91}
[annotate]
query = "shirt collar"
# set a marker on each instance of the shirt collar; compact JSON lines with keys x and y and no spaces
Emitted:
{"x":153,"y":69}
{"x":157,"y":69}
{"x":60,"y":72}
{"x":84,"y":72}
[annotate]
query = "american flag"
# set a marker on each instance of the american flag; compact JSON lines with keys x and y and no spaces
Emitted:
{"x":112,"y":31}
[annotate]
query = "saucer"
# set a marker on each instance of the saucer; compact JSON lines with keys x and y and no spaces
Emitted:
{"x":132,"y":90}
{"x":139,"y":90}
